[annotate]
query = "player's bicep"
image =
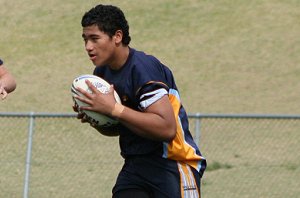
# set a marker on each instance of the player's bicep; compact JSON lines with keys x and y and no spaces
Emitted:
{"x":153,"y":98}
{"x":163,"y":108}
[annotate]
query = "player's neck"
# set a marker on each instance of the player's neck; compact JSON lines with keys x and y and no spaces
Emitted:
{"x":120,"y":58}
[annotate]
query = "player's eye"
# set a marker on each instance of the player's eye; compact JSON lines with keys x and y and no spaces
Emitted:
{"x":94,"y":39}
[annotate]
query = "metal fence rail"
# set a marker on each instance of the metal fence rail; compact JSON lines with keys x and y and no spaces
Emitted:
{"x":57,"y":156}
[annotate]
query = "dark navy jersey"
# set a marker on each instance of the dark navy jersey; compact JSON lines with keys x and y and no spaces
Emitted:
{"x":140,"y":82}
{"x":1,"y":62}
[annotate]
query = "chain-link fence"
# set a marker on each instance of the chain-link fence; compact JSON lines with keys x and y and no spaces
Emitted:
{"x":54,"y":155}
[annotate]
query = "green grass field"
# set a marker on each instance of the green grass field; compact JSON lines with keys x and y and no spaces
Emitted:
{"x":230,"y":56}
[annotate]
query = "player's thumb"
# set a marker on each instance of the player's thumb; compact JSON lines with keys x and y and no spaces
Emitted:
{"x":111,"y":88}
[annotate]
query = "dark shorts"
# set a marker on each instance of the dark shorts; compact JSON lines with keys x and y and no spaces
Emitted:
{"x":157,"y":178}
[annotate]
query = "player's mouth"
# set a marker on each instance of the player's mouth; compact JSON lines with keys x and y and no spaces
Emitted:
{"x":92,"y":57}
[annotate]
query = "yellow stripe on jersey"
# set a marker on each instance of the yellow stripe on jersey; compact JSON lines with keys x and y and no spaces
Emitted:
{"x":179,"y":149}
{"x":188,"y":186}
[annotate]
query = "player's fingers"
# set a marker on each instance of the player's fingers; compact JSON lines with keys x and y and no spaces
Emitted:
{"x":86,"y":108}
{"x":84,"y":119}
{"x":111,"y":89}
{"x":80,"y":115}
{"x":86,"y":100}
{"x":75,"y":107}
{"x":91,"y":86}
{"x":82,"y":91}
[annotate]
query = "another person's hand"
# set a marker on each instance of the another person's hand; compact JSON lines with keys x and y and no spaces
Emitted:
{"x":3,"y":92}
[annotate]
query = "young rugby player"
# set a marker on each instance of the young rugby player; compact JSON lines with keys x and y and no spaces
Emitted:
{"x":161,"y":157}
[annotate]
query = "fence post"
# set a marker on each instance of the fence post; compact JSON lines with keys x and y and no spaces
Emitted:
{"x":28,"y":154}
{"x":197,"y":129}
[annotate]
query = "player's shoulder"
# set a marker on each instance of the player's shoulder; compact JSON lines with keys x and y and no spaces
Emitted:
{"x":143,"y":57}
{"x":146,"y":63}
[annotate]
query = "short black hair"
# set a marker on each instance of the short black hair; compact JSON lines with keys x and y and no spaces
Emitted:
{"x":109,"y":19}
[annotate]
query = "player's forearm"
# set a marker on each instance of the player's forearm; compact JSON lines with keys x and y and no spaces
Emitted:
{"x":148,"y":125}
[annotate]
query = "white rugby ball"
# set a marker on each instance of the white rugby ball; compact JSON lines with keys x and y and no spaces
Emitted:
{"x":103,"y":86}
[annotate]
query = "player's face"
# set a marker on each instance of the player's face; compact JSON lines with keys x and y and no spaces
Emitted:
{"x":99,"y":46}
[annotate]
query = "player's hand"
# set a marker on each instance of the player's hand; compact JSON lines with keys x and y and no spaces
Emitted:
{"x":80,"y":114}
{"x":75,"y":107}
{"x":108,"y":131}
{"x":97,"y":101}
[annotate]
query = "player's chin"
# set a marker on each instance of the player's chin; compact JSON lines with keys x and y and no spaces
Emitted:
{"x":99,"y":65}
{"x":96,"y":61}
{"x":100,"y":62}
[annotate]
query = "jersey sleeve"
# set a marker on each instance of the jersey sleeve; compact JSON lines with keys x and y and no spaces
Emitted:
{"x":1,"y":62}
{"x":150,"y":82}
{"x":149,"y":94}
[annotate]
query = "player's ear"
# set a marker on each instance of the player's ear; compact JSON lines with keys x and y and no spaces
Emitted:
{"x":118,"y":36}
